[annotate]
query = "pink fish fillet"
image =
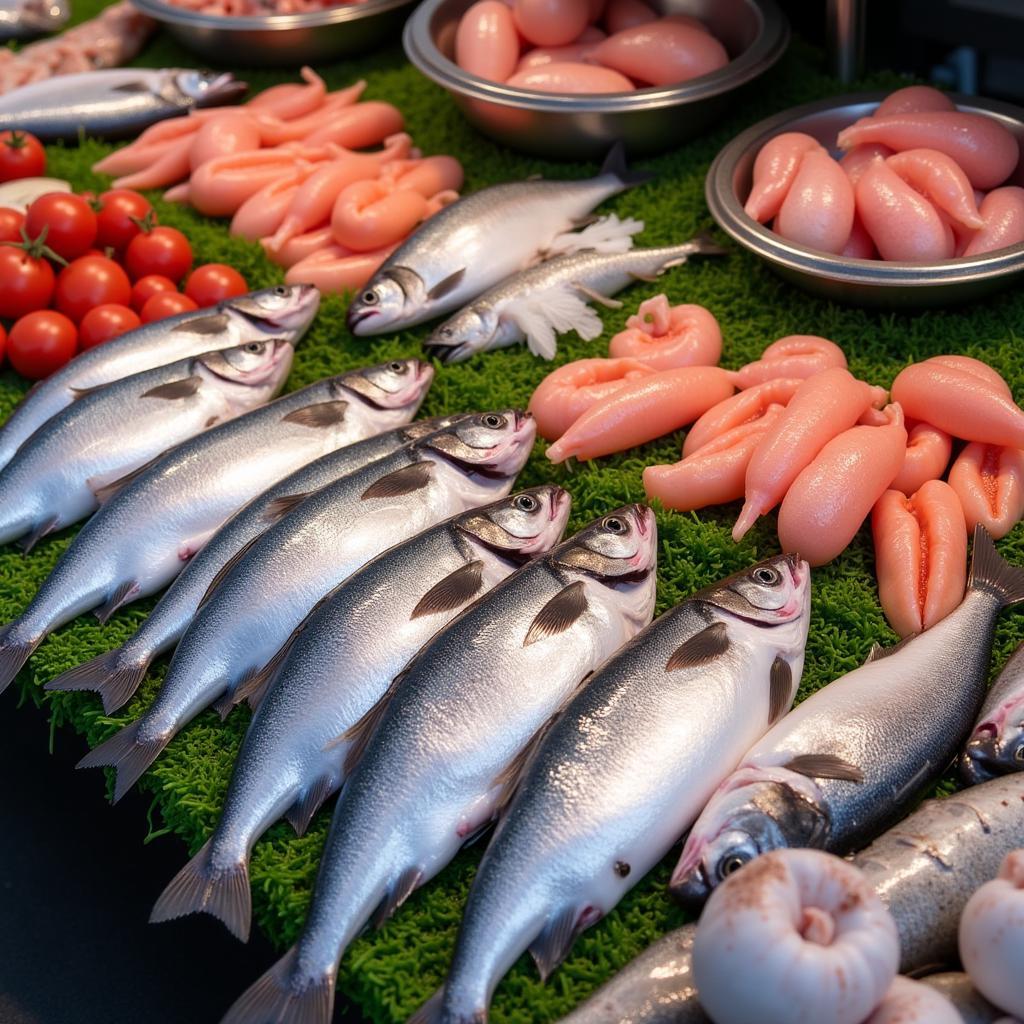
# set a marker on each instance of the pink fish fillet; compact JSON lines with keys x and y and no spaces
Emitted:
{"x":939,"y":178}
{"x":747,"y":407}
{"x":1002,"y":215}
{"x":914,"y":99}
{"x":989,"y":481}
{"x":667,"y":336}
{"x":774,"y":170}
{"x":926,"y":457}
{"x":796,"y":355}
{"x":818,"y":208}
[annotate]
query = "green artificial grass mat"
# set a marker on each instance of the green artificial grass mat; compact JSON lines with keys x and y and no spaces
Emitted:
{"x":389,"y":973}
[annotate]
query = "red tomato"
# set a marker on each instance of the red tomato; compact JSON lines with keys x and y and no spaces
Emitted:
{"x":91,"y":281}
{"x":21,"y":156}
{"x":3,"y":342}
{"x":26,"y":281}
{"x":120,"y":217}
{"x":146,"y":287}
{"x":11,"y":223}
{"x":41,"y":343}
{"x":161,"y":251}
{"x":165,"y":304}
{"x":213,"y":282}
{"x":68,"y":220}
{"x":105,"y":322}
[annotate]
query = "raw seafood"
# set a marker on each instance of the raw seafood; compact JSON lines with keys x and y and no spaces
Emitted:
{"x":914,"y":99}
{"x":926,"y":458}
{"x":259,"y":8}
{"x":1002,"y":213}
{"x":818,"y":208}
{"x":568,"y":77}
{"x":989,"y":481}
{"x":747,"y":407}
{"x":794,"y":356}
{"x":996,"y":744}
{"x":939,"y":177}
{"x":911,"y":1002}
{"x":21,"y":19}
{"x":486,"y":43}
{"x":775,"y":169}
{"x":665,"y":336}
{"x":662,"y":52}
{"x":551,"y":22}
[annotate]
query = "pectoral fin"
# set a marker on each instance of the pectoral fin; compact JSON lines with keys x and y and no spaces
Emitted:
{"x":321,"y":415}
{"x":701,"y":648}
{"x":301,"y":813}
{"x":225,"y":570}
{"x":558,"y":614}
{"x":825,"y":766}
{"x":174,"y":389}
{"x":449,"y":284}
{"x":552,"y":946}
{"x":780,"y":688}
{"x":455,"y":590}
{"x":401,"y":481}
{"x":39,"y":531}
{"x":104,"y":492}
{"x":120,"y":597}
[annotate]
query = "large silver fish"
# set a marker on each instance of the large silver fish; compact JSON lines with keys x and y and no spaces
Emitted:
{"x":478,"y":241}
{"x":225,"y":653}
{"x":22,"y":19}
{"x":440,"y":755}
{"x":148,"y":530}
{"x":58,"y":476}
{"x":113,"y":103}
{"x":552,"y":297}
{"x":116,"y":675}
{"x":282,"y":312}
{"x":339,"y":664}
{"x":996,"y":744}
{"x":853,"y":758}
{"x":624,"y":771}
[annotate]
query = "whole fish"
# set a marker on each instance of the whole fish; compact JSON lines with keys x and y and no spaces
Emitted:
{"x":58,"y":476}
{"x":996,"y":744}
{"x":624,"y":771}
{"x":433,"y":763}
{"x":22,"y":19}
{"x":339,"y":664}
{"x":160,"y":517}
{"x":281,"y":312}
{"x":226,"y":652}
{"x":552,"y":297}
{"x":116,"y":675}
{"x":972,"y":1006}
{"x":113,"y":103}
{"x":853,"y":758}
{"x":480,"y":240}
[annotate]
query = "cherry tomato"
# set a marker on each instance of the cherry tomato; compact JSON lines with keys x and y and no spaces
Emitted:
{"x":165,"y":304}
{"x":161,"y":251}
{"x":88,"y":282}
{"x":105,"y":322}
{"x":146,"y":287}
{"x":213,"y":282}
{"x":3,"y":342}
{"x":11,"y":223}
{"x":40,"y":343}
{"x":21,"y":156}
{"x":120,"y":217}
{"x":68,"y":220}
{"x":26,"y":281}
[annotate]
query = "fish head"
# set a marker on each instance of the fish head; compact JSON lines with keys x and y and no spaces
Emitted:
{"x":285,"y":307}
{"x":254,"y":364}
{"x":777,"y":590}
{"x":471,"y":330}
{"x":401,"y":384}
{"x":495,"y":444}
{"x":522,"y":525}
{"x":209,"y":88}
{"x":996,"y":747}
{"x":384,"y":299}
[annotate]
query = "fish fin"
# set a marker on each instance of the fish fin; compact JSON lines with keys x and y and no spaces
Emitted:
{"x":301,"y":813}
{"x":780,"y":689}
{"x":595,"y":296}
{"x":558,"y":614}
{"x":358,"y":735}
{"x":13,"y":655}
{"x":104,"y":675}
{"x":77,"y":394}
{"x":124,"y":594}
{"x":990,"y":572}
{"x":878,"y":652}
{"x":104,"y":492}
{"x":449,"y":284}
{"x":184,"y":388}
{"x":278,"y":508}
{"x":511,"y":775}
{"x":553,"y":310}
{"x":824,"y":766}
{"x":584,"y":222}
{"x":322,"y":414}
{"x":610,"y":234}
{"x":552,"y":946}
{"x":649,"y":278}
{"x":129,"y":756}
{"x":133,"y":87}
{"x":404,"y":886}
{"x":455,"y":590}
{"x":430,"y":1011}
{"x":38,"y":532}
{"x":401,"y":481}
{"x":229,"y":699}
{"x":226,"y":569}
{"x":211,"y":323}
{"x":703,"y":647}
{"x":199,"y":887}
{"x":615,"y":165}
{"x":705,"y":245}
{"x":258,"y":684}
{"x":276,"y":997}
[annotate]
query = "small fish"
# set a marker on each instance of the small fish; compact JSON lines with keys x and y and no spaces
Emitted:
{"x":853,"y":758}
{"x":552,"y":297}
{"x":480,"y":240}
{"x":996,"y":744}
{"x":435,"y":761}
{"x":113,"y":103}
{"x":23,"y":19}
{"x":322,"y":539}
{"x":337,"y":665}
{"x":283,"y":312}
{"x":623,"y":772}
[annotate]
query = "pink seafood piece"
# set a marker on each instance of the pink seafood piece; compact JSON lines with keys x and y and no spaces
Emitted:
{"x":299,"y":247}
{"x":551,"y":22}
{"x":666,"y":336}
{"x":960,"y":402}
{"x":984,"y":149}
{"x":823,"y":406}
{"x":748,"y":406}
{"x":592,"y":34}
{"x":1002,"y":215}
{"x":232,"y":132}
{"x":715,"y":473}
{"x":796,"y":355}
{"x":568,"y":392}
{"x":486,"y":41}
{"x":262,"y":213}
{"x":775,"y":169}
{"x":365,"y":124}
{"x":939,"y":178}
{"x":168,"y":169}
{"x":370,"y":215}
{"x":335,"y":270}
{"x":926,"y":457}
{"x":428,"y":176}
{"x":860,"y":158}
{"x":920,"y":555}
{"x":292,"y":100}
{"x":642,"y":410}
{"x":818,"y":208}
{"x":859,"y":245}
{"x":975,"y":367}
{"x":914,"y":99}
{"x":989,"y":481}
{"x":662,"y":52}
{"x":177,"y":194}
{"x":571,"y":78}
{"x":623,"y":14}
{"x":913,"y":1002}
{"x":573,"y":53}
{"x":275,"y":131}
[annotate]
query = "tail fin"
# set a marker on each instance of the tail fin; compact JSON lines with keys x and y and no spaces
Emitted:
{"x":13,"y":655}
{"x":127,"y":754}
{"x":615,"y":164}
{"x":107,"y":676}
{"x":430,"y":1011}
{"x":200,"y":887}
{"x":278,"y":997}
{"x":990,"y":572}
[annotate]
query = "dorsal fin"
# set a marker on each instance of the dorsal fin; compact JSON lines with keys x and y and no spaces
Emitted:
{"x":511,"y":775}
{"x":401,"y":481}
{"x":225,"y":570}
{"x":278,"y":508}
{"x":455,"y":590}
{"x":710,"y":643}
{"x":558,"y":614}
{"x":358,"y":735}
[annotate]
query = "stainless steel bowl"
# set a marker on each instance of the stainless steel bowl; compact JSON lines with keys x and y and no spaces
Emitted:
{"x":282,"y":40}
{"x":755,"y":32}
{"x":860,"y":282}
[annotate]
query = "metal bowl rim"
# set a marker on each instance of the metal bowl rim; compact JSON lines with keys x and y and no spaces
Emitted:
{"x":268,"y":22}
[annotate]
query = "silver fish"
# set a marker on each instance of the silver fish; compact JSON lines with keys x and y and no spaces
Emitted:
{"x":476,"y":242}
{"x":624,"y":771}
{"x":552,"y":297}
{"x":853,"y":758}
{"x":441,"y":753}
{"x":160,"y":517}
{"x":58,"y":476}
{"x":322,"y":538}
{"x":996,"y":744}
{"x":338,"y":665}
{"x":113,"y":103}
{"x":972,"y":1006}
{"x":116,"y":675}
{"x":22,"y":19}
{"x":282,"y":312}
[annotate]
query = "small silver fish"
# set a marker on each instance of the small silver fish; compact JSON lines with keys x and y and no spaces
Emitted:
{"x":23,"y":19}
{"x":996,"y":744}
{"x":113,"y":103}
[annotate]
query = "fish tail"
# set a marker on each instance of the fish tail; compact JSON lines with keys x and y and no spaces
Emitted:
{"x":127,"y":754}
{"x":615,"y":165}
{"x":203,"y":887}
{"x":107,"y":675}
{"x":14,"y":652}
{"x":989,"y":571}
{"x":285,"y":997}
{"x":430,"y":1011}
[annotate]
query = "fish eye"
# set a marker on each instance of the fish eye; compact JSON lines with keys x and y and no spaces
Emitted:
{"x":281,"y":291}
{"x":493,"y":420}
{"x":369,"y":298}
{"x":613,"y":524}
{"x":1018,"y":754}
{"x":446,"y":332}
{"x":769,"y":577}
{"x":397,"y":367}
{"x":255,"y":347}
{"x":526,"y":503}
{"x":730,"y":865}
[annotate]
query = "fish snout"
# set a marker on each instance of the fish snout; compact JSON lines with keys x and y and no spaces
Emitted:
{"x":299,"y":313}
{"x":690,"y":888}
{"x":985,"y":757}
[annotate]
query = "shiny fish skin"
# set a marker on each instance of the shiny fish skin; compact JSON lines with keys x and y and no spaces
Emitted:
{"x":996,"y":743}
{"x":340,"y":662}
{"x":22,"y":19}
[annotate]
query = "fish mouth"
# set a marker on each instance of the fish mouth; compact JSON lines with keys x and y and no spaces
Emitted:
{"x":225,"y":88}
{"x":448,"y":354}
{"x":359,"y":316}
{"x":691,"y":889}
{"x":984,"y":758}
